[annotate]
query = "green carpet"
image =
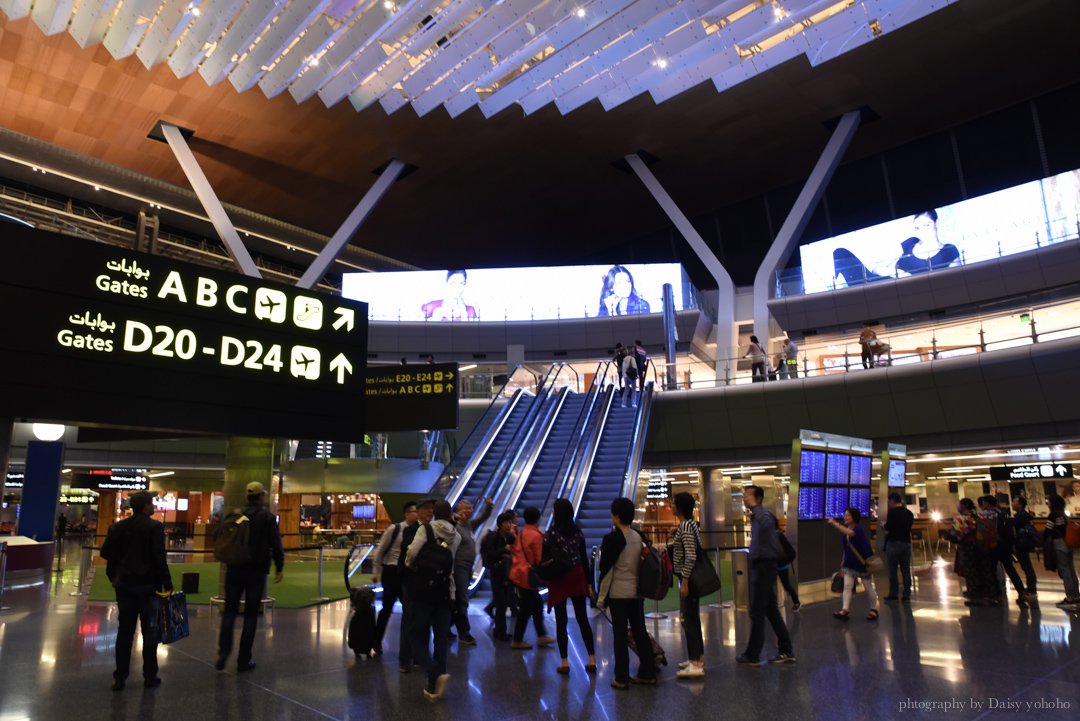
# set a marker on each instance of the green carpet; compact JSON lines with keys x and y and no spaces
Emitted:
{"x":671,"y":601}
{"x":297,"y":590}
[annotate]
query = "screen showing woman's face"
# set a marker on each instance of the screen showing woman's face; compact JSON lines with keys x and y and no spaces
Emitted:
{"x":925,"y":227}
{"x":622,"y":286}
{"x":455,"y":285}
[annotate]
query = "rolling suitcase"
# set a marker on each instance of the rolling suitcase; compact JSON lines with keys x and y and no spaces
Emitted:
{"x":659,"y":657}
{"x":361,"y":637}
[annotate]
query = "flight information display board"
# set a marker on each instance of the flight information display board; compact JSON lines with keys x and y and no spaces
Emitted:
{"x":812,"y":468}
{"x":860,"y":470}
{"x":811,"y":503}
{"x":109,"y":335}
{"x":860,"y":498}
{"x":836,"y":472}
{"x":836,"y":502}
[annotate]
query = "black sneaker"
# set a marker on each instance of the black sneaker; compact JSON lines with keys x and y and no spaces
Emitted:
{"x":152,"y":682}
{"x":117,"y":684}
{"x":451,"y":637}
{"x":242,"y":667}
{"x":782,"y":658}
{"x":743,"y":660}
{"x":468,"y":639}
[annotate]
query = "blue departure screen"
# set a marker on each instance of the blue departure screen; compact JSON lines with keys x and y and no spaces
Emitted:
{"x":860,"y":470}
{"x":811,"y":502}
{"x":860,"y":498}
{"x":812,"y":468}
{"x":837,"y":472}
{"x":836,"y":502}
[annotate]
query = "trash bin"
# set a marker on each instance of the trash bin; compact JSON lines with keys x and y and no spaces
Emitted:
{"x":740,"y":578}
{"x":189,"y":583}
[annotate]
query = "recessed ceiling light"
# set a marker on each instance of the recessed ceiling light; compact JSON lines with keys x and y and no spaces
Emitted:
{"x":580,"y":12}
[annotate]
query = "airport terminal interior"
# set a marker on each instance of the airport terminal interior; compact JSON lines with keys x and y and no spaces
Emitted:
{"x":791,"y":287}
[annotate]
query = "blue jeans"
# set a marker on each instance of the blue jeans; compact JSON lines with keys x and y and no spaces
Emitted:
{"x":898,"y":554}
{"x":462,"y":578}
{"x":430,"y":619}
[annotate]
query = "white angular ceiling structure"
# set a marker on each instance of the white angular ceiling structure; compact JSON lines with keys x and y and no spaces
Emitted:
{"x":461,"y":53}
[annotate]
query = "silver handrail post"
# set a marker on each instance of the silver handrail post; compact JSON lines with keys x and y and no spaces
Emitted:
{"x":3,"y":573}
{"x":321,"y":598}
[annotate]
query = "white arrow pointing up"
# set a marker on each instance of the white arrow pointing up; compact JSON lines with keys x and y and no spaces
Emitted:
{"x":347,"y":318}
{"x":341,"y":365}
{"x":1060,"y":470}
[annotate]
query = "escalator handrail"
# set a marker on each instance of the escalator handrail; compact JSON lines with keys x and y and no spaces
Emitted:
{"x":581,"y":476}
{"x":449,"y":470}
{"x":517,"y":442}
{"x":482,"y":449}
{"x":637,"y":444}
{"x":523,"y":471}
{"x":565,"y":469}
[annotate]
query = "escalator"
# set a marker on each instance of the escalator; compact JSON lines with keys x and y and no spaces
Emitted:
{"x":560,"y":441}
{"x":612,"y":464}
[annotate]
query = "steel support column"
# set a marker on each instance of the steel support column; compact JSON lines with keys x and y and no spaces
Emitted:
{"x":727,"y":333}
{"x":210,"y":202}
{"x":348,"y":229}
{"x":790,"y":232}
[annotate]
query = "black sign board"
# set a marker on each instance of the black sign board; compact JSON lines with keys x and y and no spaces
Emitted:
{"x":112,"y":479}
{"x":658,"y":489}
{"x":412,"y":397}
{"x":1032,"y":472}
{"x":99,"y":334}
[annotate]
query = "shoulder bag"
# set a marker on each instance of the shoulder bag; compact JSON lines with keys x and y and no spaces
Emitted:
{"x":872,"y":563}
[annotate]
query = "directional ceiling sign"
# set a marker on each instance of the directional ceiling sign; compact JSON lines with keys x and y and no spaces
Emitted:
{"x":98,"y":334}
{"x":412,"y":397}
{"x":1033,"y":471}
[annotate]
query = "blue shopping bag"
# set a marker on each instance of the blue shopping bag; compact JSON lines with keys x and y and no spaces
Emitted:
{"x":173,"y":617}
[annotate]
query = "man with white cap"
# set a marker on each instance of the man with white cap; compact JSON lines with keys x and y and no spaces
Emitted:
{"x":246,"y":573}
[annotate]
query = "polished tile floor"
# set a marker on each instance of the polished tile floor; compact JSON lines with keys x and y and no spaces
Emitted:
{"x":56,"y":657}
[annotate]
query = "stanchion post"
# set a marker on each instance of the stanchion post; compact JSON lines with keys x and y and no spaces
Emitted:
{"x":84,"y":565}
{"x":321,"y":598}
{"x":3,"y":573}
{"x":655,"y":614}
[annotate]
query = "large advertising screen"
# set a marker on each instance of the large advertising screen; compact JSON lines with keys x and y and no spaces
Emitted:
{"x":1024,"y":217}
{"x":502,"y":294}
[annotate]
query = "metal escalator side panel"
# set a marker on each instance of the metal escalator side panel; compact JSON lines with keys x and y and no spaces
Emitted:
{"x":516,"y":445}
{"x":637,"y":448}
{"x":520,"y":475}
{"x":581,"y":477}
{"x":485,"y":446}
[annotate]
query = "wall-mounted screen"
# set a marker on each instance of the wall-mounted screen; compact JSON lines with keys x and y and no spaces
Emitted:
{"x":812,"y":468}
{"x":525,"y":294}
{"x":181,"y":504}
{"x":897,"y":473}
{"x":836,"y":502}
{"x":860,"y":470}
{"x":811,"y":503}
{"x":836,"y":473}
{"x":860,"y":498}
{"x":1009,"y":221}
{"x":363,"y":511}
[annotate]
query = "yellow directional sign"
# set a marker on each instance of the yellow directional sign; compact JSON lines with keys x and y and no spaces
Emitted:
{"x":402,"y":398}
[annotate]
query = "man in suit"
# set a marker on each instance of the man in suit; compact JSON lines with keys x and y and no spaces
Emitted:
{"x":135,"y":553}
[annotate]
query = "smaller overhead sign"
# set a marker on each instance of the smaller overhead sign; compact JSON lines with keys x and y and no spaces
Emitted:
{"x":112,"y":479}
{"x":15,"y":478}
{"x":411,"y":397}
{"x":1032,"y":471}
{"x":658,"y":489}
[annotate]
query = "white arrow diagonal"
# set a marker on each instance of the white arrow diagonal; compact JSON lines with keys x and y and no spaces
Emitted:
{"x":341,"y":365}
{"x":346,"y":317}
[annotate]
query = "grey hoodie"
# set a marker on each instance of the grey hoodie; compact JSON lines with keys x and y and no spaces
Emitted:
{"x":444,"y":533}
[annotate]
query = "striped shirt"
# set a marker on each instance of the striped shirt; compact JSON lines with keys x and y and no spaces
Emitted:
{"x":685,"y":548}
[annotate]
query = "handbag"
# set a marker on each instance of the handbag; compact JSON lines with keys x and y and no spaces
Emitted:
{"x":872,"y":563}
{"x":173,"y":617}
{"x":703,"y":578}
{"x":535,"y":579}
{"x":1072,"y":534}
{"x":837,"y":585}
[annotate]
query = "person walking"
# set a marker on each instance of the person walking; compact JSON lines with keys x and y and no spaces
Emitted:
{"x":620,"y":559}
{"x":628,"y":369}
{"x":134,"y":550}
{"x":898,"y":523}
{"x":249,"y":579}
{"x":567,"y":544}
{"x":1024,"y":533}
{"x":386,"y":567}
{"x":857,"y":549}
{"x":497,"y":552}
{"x":1002,"y":554}
{"x":685,"y":548}
{"x":528,"y":553}
{"x":1056,"y":524}
{"x":463,"y":564}
{"x":867,"y":340}
{"x":757,"y":360}
{"x":971,"y":562}
{"x":425,"y":513}
{"x":765,"y":553}
{"x":430,"y":558}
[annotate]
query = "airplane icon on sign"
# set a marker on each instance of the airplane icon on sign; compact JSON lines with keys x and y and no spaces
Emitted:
{"x":305,"y":362}
{"x":270,"y":305}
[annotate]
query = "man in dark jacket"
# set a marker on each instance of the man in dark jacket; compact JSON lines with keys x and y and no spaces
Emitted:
{"x":135,"y":552}
{"x":497,"y":550}
{"x":249,"y":579}
{"x":765,"y":552}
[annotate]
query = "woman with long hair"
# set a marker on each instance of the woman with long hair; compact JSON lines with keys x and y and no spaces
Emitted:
{"x":618,"y":296}
{"x":566,"y":545}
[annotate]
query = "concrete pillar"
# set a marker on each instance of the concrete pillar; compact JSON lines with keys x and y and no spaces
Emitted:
{"x":246,"y":460}
{"x":722,"y":518}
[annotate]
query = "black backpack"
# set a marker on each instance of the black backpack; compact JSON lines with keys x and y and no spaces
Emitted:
{"x":560,"y":554}
{"x":432,"y":569}
{"x":232,"y":544}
